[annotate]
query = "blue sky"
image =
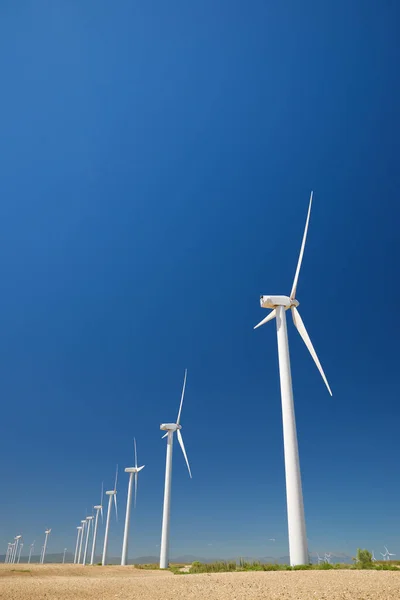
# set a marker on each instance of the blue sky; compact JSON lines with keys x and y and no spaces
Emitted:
{"x":156,"y":164}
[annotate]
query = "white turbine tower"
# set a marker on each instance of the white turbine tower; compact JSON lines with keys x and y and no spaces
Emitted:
{"x":111,"y":494}
{"x":170,"y":428}
{"x":31,"y":547}
{"x":294,"y":495}
{"x":373,"y":556}
{"x":47,"y":533}
{"x":385,"y":556}
{"x":9,"y":546}
{"x":65,"y":549}
{"x":78,"y":537}
{"x":328,"y":557}
{"x":133,"y":473}
{"x":89,"y":522}
{"x":99,"y":509}
{"x":81,"y":540}
{"x":14,"y":556}
{"x":20,"y":550}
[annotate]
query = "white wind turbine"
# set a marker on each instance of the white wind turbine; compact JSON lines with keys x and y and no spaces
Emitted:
{"x":31,"y":547}
{"x":170,"y":428}
{"x":14,"y":556}
{"x":78,"y":536}
{"x":373,"y":556}
{"x":111,"y":494}
{"x":385,"y":556}
{"x":8,"y":553}
{"x":65,"y":550}
{"x":89,"y":522}
{"x":20,"y":550}
{"x":99,"y":509}
{"x":81,"y":540}
{"x":47,"y":533}
{"x":328,"y":557}
{"x":320,"y":560}
{"x":294,"y":495}
{"x":133,"y":473}
{"x":388,"y":554}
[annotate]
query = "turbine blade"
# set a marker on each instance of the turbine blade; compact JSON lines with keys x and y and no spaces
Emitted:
{"x":165,"y":435}
{"x":101,"y":512}
{"x":102,"y":490}
{"x":183,"y":393}
{"x":116,"y":479}
{"x":136,"y":484}
{"x":298,"y":322}
{"x":116,"y":506}
{"x":269,"y":317}
{"x":180,"y":440}
{"x":303,"y":243}
{"x":134,"y":443}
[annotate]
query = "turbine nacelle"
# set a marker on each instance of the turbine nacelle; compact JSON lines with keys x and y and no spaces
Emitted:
{"x":111,"y":492}
{"x":170,"y":427}
{"x":133,"y":469}
{"x":98,"y":507}
{"x":274,"y":301}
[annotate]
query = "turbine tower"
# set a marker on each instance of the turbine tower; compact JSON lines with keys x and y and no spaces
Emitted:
{"x":99,"y":509}
{"x":20,"y":550}
{"x":388,"y":554}
{"x":170,"y":428}
{"x":81,"y":540}
{"x":133,"y":472}
{"x":111,"y":494}
{"x":16,"y":542}
{"x":78,"y":536}
{"x":89,"y":522}
{"x":47,"y":532}
{"x":294,"y":495}
{"x":31,"y":547}
{"x":65,"y":549}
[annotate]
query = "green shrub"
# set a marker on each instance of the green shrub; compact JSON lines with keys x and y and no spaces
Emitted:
{"x":364,"y":559}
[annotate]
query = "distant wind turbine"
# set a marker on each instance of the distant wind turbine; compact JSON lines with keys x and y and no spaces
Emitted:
{"x":320,"y":560}
{"x":170,"y":428}
{"x":65,"y":549}
{"x":99,"y":509}
{"x":373,"y":557}
{"x":17,"y":539}
{"x":328,"y":557}
{"x":89,"y":522}
{"x":133,"y":473}
{"x":78,"y":536}
{"x":111,"y":494}
{"x":294,"y":495}
{"x":47,"y":533}
{"x":81,"y":540}
{"x":389,"y":554}
{"x":20,"y":550}
{"x":31,"y":547}
{"x":8,"y":553}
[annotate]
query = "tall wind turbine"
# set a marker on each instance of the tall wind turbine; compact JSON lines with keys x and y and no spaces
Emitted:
{"x":89,"y":522}
{"x":99,"y":509}
{"x":133,"y":473}
{"x":294,"y":495}
{"x":14,"y":556}
{"x":111,"y":494}
{"x":47,"y":532}
{"x":31,"y":547}
{"x":389,"y":554}
{"x":170,"y":428}
{"x":78,"y":536}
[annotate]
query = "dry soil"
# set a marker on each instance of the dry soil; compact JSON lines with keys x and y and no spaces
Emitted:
{"x":68,"y":582}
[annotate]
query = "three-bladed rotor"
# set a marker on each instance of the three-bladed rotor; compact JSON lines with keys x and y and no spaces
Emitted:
{"x":172,"y":427}
{"x":290,"y":302}
{"x":135,"y":470}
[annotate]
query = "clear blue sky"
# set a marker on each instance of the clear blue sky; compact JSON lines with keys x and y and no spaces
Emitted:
{"x":156,"y":164}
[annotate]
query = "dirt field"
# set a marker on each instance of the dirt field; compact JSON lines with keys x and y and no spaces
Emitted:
{"x":59,"y":582}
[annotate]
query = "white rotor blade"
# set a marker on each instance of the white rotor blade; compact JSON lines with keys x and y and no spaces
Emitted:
{"x":101,"y":512}
{"x":269,"y":317}
{"x":183,"y":393}
{"x":180,"y":440}
{"x":165,"y":435}
{"x":134,"y":443}
{"x":303,"y":243}
{"x":116,"y":507}
{"x":298,"y":322}
{"x":116,"y":479}
{"x":136,"y":484}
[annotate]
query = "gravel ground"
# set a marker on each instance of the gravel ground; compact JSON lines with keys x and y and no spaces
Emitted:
{"x":59,"y":582}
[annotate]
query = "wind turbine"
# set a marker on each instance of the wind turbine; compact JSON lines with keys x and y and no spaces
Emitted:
{"x":31,"y":547}
{"x":14,"y":556}
{"x":99,"y":509}
{"x":389,"y":554}
{"x":89,"y":522}
{"x":294,"y":495}
{"x":65,"y":549}
{"x":133,"y":473}
{"x":20,"y":550}
{"x":8,"y":553}
{"x":328,"y":557}
{"x":81,"y":540}
{"x":78,"y":535}
{"x":47,"y":532}
{"x":170,"y":428}
{"x":373,"y":556}
{"x":385,"y":556}
{"x":111,"y":494}
{"x":320,"y":560}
